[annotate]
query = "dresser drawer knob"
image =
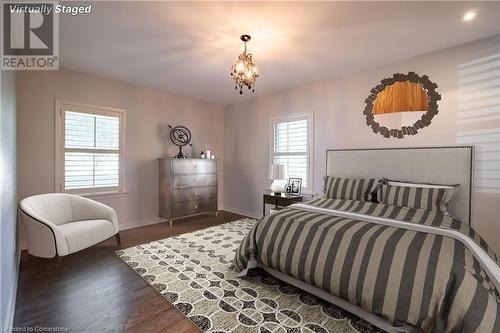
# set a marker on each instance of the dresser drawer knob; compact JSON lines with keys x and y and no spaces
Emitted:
{"x":195,"y":206}
{"x":195,"y":194}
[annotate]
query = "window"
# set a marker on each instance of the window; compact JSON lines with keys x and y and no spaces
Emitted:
{"x":291,"y":145}
{"x":89,"y":148}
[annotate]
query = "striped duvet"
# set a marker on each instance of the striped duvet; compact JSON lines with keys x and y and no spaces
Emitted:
{"x":430,"y":281}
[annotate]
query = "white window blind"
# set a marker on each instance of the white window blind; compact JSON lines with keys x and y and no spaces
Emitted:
{"x":91,"y":150}
{"x":291,"y":147}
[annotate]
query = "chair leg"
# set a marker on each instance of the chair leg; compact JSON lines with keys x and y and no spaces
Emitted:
{"x":59,"y":265}
{"x":118,"y":240}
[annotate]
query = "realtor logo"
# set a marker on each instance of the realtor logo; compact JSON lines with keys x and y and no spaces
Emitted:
{"x":30,"y":39}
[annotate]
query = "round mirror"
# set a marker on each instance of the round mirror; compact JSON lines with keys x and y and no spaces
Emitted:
{"x":401,"y":105}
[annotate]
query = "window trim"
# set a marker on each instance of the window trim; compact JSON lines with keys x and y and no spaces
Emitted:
{"x":310,"y":147}
{"x":60,"y":149}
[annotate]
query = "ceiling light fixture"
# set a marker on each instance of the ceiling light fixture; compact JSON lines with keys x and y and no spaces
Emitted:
{"x":244,"y":71}
{"x":469,"y":15}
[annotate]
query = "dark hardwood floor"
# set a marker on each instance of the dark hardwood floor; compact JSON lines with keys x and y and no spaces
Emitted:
{"x":97,"y":291}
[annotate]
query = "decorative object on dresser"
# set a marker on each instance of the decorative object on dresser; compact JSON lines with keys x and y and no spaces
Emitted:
{"x":187,"y":187}
{"x":208,"y":152}
{"x":279,"y":200}
{"x":295,"y":186}
{"x":180,"y":136}
{"x":277,"y":173}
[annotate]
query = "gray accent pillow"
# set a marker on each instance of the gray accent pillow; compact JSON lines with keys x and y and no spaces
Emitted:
{"x":349,"y":188}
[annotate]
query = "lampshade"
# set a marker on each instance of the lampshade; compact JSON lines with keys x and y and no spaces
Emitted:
{"x":277,"y":172}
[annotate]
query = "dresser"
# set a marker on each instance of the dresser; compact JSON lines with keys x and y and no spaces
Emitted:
{"x":187,"y":187}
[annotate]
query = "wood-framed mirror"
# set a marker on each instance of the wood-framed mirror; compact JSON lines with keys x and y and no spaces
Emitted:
{"x":401,"y":105}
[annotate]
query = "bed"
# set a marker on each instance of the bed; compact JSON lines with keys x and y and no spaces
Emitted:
{"x":404,"y":269}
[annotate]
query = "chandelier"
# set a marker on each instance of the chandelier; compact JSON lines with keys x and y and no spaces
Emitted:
{"x":244,"y":71}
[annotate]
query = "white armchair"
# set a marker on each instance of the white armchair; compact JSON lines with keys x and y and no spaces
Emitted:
{"x":58,"y":224}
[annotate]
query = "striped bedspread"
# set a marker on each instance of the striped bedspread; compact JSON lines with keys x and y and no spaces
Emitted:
{"x":409,"y":266}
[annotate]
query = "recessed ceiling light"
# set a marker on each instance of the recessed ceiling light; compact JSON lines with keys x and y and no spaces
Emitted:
{"x":469,"y":16}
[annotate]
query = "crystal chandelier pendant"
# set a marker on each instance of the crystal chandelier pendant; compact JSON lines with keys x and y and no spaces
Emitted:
{"x":244,"y":71}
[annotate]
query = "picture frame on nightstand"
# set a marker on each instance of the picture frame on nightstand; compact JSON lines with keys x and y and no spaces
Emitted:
{"x":295,"y":185}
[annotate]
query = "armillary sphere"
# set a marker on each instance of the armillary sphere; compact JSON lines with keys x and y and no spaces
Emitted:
{"x":180,"y":136}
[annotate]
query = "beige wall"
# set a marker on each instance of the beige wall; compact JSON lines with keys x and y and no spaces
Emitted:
{"x":9,"y":254}
{"x":244,"y":147}
{"x":339,"y":123}
{"x":148,"y":114}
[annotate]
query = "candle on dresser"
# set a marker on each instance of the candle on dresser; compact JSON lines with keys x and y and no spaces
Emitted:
{"x":207,"y":151}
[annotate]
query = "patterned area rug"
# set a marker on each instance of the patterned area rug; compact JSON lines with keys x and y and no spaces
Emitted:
{"x":193,"y":272}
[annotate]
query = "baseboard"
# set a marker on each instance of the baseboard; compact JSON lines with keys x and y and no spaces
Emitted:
{"x":11,"y":306}
{"x":142,"y":223}
{"x":243,"y":212}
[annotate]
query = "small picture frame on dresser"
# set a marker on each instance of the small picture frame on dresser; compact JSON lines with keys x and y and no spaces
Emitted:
{"x":295,"y":186}
{"x":288,"y":189}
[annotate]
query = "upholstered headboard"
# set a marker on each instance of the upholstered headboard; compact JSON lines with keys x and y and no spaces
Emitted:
{"x":437,"y":165}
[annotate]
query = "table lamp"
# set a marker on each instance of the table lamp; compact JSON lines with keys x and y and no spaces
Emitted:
{"x":277,"y":173}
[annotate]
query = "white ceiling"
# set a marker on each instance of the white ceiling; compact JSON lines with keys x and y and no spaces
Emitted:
{"x":188,"y":48}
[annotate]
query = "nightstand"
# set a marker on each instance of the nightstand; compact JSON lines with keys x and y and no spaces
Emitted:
{"x":279,"y":200}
